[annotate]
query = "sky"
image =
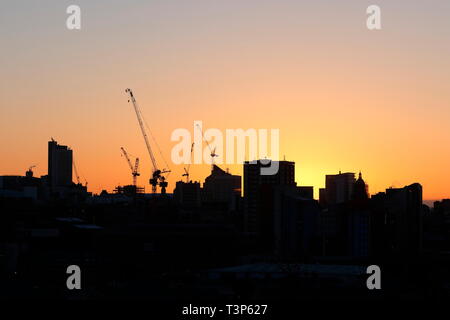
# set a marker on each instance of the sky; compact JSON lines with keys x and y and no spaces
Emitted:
{"x":343,"y":97}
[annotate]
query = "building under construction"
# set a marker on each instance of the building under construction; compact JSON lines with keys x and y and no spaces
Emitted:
{"x":129,"y":190}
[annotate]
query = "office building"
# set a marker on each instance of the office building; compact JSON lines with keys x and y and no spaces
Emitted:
{"x":296,"y":224}
{"x":338,"y":188}
{"x":258,"y":195}
{"x":404,"y":212}
{"x":59,"y":166}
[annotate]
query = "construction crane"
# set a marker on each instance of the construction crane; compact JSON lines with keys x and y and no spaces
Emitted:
{"x":29,"y":173}
{"x":213,"y":153}
{"x":186,"y":170}
{"x":158,"y":178}
{"x":76,"y":171}
{"x":76,"y":174}
{"x":135,"y":168}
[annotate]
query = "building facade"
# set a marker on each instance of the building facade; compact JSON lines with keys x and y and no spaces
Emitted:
{"x":59,"y":166}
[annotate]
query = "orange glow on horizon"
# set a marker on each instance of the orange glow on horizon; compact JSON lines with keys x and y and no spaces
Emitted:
{"x":343,"y":98}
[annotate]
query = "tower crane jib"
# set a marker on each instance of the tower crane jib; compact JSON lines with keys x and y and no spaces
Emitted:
{"x":157,"y":177}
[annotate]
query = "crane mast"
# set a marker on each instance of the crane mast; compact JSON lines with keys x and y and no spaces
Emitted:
{"x":157,"y":177}
{"x":76,"y":172}
{"x":141,"y":124}
{"x":213,"y":153}
{"x":134,"y":170}
{"x":186,"y":170}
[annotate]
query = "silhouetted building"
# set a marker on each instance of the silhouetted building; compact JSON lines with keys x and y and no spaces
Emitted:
{"x":129,"y":190}
{"x":442,"y":206}
{"x":338,"y":188}
{"x":258,"y":194}
{"x":442,"y":209}
{"x":329,"y":230}
{"x":405,"y":211}
{"x":359,"y":221}
{"x":402,"y":214}
{"x":59,"y":166}
{"x":359,"y":232}
{"x":296,"y":223}
{"x":221,"y":186}
{"x":439,"y":225}
{"x":360,"y":189}
{"x":306,"y":192}
{"x":322,"y":196}
{"x":21,"y":187}
{"x":187,"y":194}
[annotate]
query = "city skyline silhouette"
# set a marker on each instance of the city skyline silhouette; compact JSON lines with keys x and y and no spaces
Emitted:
{"x":204,"y":155}
{"x":344,"y":98}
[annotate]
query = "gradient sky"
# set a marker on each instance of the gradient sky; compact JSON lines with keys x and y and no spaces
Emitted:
{"x":344,"y":98}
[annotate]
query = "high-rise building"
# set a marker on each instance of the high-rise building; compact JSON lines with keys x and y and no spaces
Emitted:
{"x":296,"y":223}
{"x":398,"y":217}
{"x":59,"y":165}
{"x":404,"y":212}
{"x":338,"y":188}
{"x":359,"y":231}
{"x":359,"y":221}
{"x":258,"y":193}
